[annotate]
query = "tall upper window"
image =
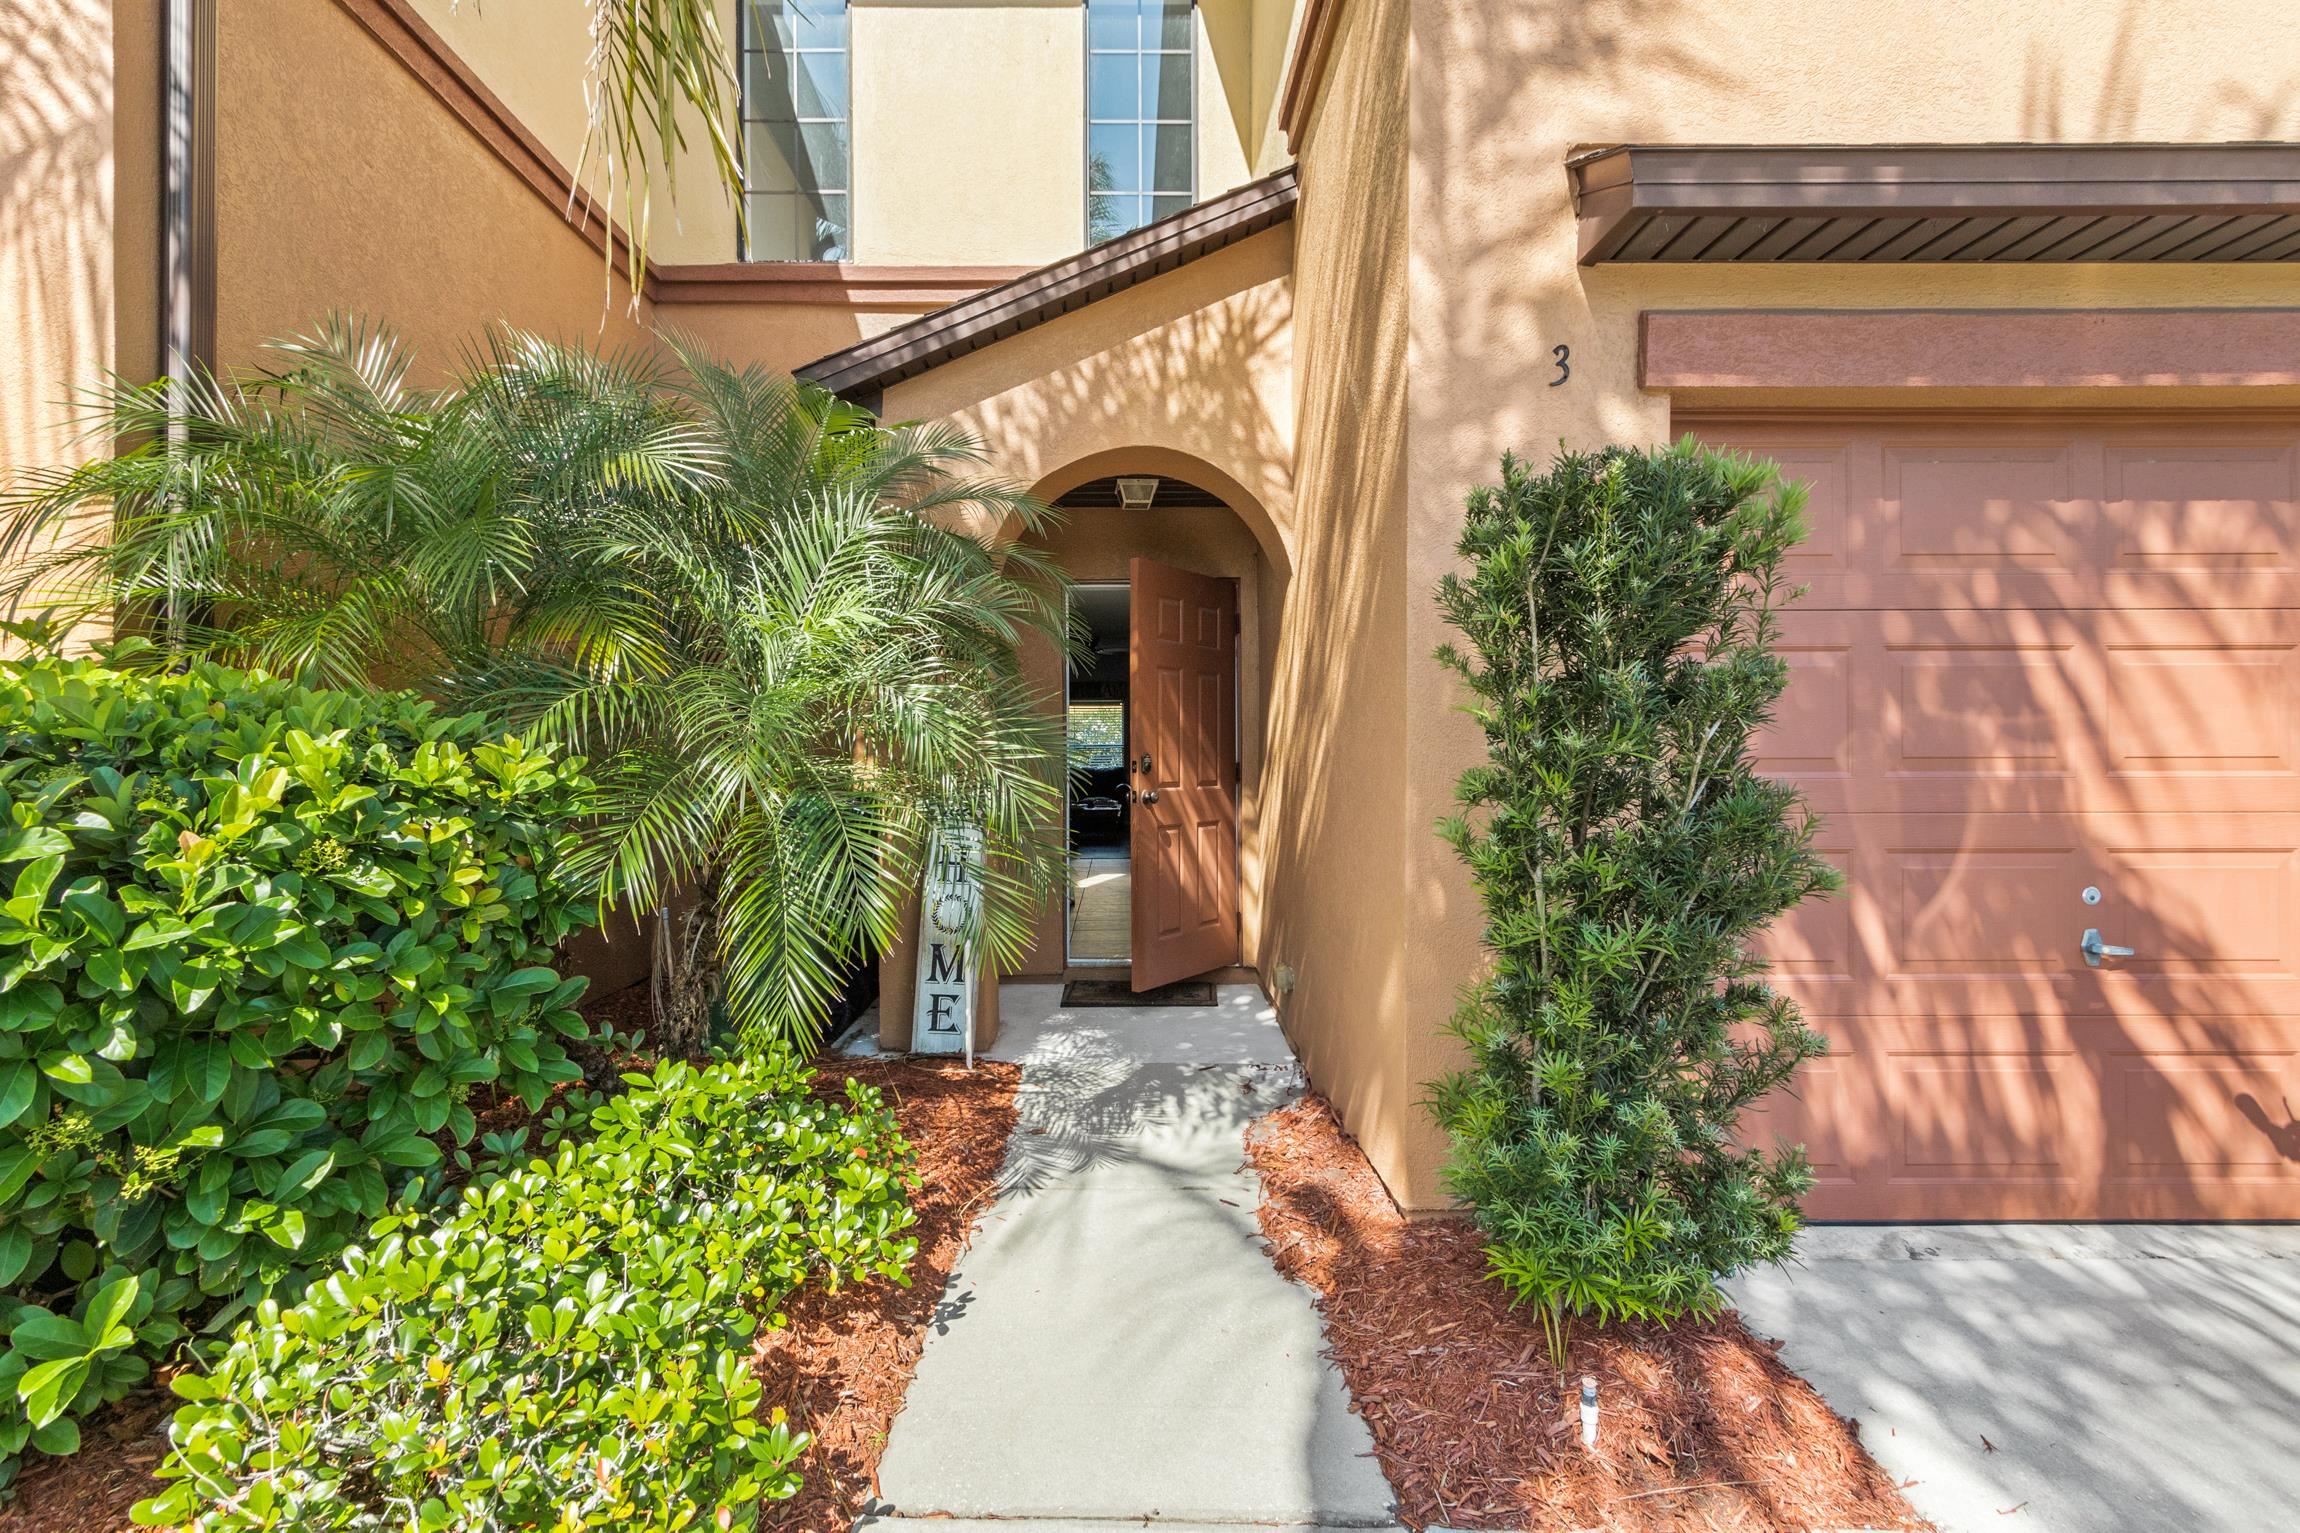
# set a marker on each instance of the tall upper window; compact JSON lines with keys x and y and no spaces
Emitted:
{"x":1141,"y":152}
{"x":795,"y":161}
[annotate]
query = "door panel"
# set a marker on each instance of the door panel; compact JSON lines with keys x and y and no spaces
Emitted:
{"x":1183,"y":656}
{"x":2037,"y":658}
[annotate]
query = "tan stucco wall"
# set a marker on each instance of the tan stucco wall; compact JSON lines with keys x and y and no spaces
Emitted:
{"x":535,"y":56}
{"x":969,"y":138}
{"x":1339,"y":834}
{"x":1503,"y":94}
{"x":343,"y":185}
{"x":79,"y":177}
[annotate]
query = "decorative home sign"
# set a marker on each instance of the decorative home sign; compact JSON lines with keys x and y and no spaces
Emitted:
{"x":949,"y":908}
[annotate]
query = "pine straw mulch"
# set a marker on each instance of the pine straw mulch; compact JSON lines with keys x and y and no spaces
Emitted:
{"x":839,"y":1367}
{"x":1701,"y":1426}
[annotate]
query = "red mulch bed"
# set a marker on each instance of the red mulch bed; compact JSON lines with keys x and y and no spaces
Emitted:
{"x":839,"y":1367}
{"x":842,"y":1364}
{"x":1701,"y":1425}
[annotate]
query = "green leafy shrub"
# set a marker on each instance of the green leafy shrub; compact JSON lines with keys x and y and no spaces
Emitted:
{"x":568,"y":1345}
{"x":1620,"y":618}
{"x":258,"y":945}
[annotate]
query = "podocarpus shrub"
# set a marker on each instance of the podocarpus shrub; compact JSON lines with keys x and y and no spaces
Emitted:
{"x":1620,"y":618}
{"x":258,"y":945}
{"x":568,"y":1347}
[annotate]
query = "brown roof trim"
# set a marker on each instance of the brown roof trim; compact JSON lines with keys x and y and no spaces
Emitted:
{"x":1883,"y":203}
{"x":407,"y":37}
{"x":1051,"y":291}
{"x":1306,"y":70}
{"x":922,"y":288}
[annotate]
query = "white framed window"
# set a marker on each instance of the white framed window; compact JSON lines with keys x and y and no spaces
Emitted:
{"x":797,"y":168}
{"x":1141,"y":113}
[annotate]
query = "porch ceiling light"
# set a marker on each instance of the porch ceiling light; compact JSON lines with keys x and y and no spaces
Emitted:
{"x":1135,"y":492}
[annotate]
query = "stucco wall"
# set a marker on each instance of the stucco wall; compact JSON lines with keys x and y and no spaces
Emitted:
{"x":1338,"y":832}
{"x":343,"y":185}
{"x":535,"y":55}
{"x":1503,"y":94}
{"x":79,"y":283}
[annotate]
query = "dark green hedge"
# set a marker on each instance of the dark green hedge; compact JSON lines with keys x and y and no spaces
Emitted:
{"x":568,"y":1345}
{"x":258,"y":943}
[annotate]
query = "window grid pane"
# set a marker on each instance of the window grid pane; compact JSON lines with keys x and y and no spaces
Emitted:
{"x":795,"y":130}
{"x":1141,"y":150}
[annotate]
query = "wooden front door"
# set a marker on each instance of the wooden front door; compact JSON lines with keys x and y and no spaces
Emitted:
{"x":1182,"y":767}
{"x":2046,"y":682}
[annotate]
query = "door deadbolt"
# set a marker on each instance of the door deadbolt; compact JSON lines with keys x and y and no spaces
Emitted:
{"x":2091,"y":895}
{"x":1144,"y":766}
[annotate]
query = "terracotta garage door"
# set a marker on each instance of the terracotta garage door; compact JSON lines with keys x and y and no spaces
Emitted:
{"x":2040,"y":657}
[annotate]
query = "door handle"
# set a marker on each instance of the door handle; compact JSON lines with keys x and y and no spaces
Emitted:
{"x":2095,"y":950}
{"x":1149,"y":795}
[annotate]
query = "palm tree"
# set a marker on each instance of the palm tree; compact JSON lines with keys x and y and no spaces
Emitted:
{"x":769,"y":621}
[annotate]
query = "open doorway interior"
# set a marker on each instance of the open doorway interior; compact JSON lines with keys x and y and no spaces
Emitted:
{"x":1098,"y":928}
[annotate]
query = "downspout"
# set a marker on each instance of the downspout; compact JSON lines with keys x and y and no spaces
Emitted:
{"x":187,"y":217}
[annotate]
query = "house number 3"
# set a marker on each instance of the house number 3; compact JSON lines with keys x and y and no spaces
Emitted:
{"x":1564,"y":356}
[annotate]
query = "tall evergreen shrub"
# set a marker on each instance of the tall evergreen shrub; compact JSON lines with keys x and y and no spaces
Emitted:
{"x":1619,"y":619}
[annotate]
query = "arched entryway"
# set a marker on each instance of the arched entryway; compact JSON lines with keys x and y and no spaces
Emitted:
{"x":1180,"y":580}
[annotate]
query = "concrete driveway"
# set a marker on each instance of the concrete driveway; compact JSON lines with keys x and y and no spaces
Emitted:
{"x":2058,"y":1378}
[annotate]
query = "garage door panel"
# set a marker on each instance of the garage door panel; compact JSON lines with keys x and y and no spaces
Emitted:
{"x":1957,"y":504}
{"x":2004,"y":711}
{"x":2179,"y":1115}
{"x":2174,"y":502}
{"x":2039,"y":656}
{"x":2187,"y":708}
{"x":1996,"y":1117}
{"x":1974,"y":1115}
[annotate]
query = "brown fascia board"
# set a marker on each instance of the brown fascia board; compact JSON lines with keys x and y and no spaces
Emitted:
{"x":1619,"y":188}
{"x":1031,"y":300}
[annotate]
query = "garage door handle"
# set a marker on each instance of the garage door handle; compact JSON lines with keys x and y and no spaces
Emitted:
{"x":2095,"y":949}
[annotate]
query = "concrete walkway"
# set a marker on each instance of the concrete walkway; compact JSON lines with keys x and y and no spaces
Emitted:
{"x":2058,"y":1378}
{"x":1115,"y":1345}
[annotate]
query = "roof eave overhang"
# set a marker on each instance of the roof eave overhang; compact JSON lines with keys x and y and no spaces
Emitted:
{"x":1037,"y":297}
{"x":1881,"y":204}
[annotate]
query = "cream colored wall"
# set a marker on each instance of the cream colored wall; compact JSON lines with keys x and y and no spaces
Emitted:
{"x":534,"y":55}
{"x":1271,"y":30}
{"x":1503,"y":94}
{"x":968,"y":133}
{"x":1340,"y":827}
{"x":79,"y":181}
{"x":969,"y":139}
{"x":343,"y":185}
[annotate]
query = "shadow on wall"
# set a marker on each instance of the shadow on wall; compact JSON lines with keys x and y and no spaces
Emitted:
{"x":2232,"y":110}
{"x":1336,"y":823}
{"x":56,"y":221}
{"x":2084,"y":682}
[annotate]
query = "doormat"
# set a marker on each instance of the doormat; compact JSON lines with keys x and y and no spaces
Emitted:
{"x":1113,"y":992}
